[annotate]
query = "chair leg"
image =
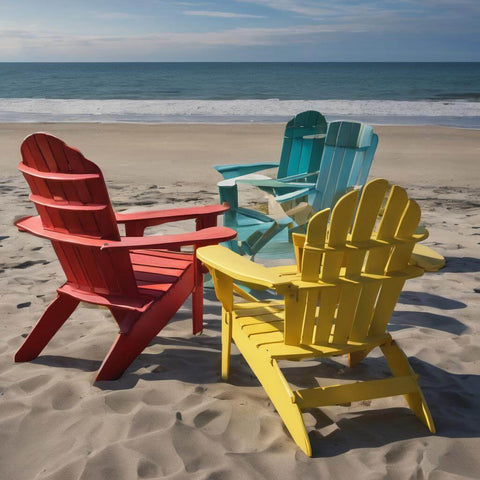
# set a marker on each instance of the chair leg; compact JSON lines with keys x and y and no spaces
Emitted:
{"x":197,"y":305}
{"x":52,"y":319}
{"x":129,"y":345}
{"x":399,"y":366}
{"x":270,"y":376}
{"x":226,"y":343}
{"x":356,"y":357}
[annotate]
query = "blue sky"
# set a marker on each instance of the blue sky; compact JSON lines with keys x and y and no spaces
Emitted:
{"x":240,"y":30}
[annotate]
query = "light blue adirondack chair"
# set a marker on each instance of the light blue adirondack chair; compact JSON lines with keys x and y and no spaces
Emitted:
{"x":299,"y":162}
{"x":345,"y":163}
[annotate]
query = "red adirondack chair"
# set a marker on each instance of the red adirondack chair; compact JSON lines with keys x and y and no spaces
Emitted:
{"x":143,"y":281}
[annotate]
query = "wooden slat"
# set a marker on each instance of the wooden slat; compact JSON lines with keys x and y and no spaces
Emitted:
{"x":49,"y":202}
{"x":309,"y":320}
{"x":64,"y":177}
{"x":355,"y":392}
{"x":347,"y":306}
{"x":295,"y":154}
{"x":306,"y":156}
{"x":294,"y":311}
{"x":396,"y":204}
{"x":365,"y":309}
{"x":323,"y":176}
{"x":366,"y":216}
{"x":326,"y":314}
{"x":387,"y":299}
{"x":331,"y":181}
{"x":408,"y":224}
{"x":315,"y":237}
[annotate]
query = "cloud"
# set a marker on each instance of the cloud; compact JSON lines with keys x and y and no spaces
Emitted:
{"x":342,"y":8}
{"x":114,"y":15}
{"x":82,"y":45}
{"x":210,"y":13}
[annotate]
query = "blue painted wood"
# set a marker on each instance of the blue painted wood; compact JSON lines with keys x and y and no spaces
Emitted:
{"x":307,"y":128}
{"x":344,"y":158}
{"x":302,"y":149}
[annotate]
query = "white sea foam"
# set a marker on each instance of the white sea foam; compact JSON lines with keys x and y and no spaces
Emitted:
{"x":28,"y":110}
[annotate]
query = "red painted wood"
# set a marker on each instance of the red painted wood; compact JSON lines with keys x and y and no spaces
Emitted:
{"x":52,"y":319}
{"x":141,"y":285}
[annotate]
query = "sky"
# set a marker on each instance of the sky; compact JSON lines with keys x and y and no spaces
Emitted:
{"x":239,"y":30}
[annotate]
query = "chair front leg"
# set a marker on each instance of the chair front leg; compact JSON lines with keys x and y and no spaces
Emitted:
{"x":226,"y":342}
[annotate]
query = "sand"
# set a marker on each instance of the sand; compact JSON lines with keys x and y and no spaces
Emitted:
{"x":170,"y":416}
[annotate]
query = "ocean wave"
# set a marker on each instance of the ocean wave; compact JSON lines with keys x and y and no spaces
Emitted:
{"x":470,"y":96}
{"x":33,"y":109}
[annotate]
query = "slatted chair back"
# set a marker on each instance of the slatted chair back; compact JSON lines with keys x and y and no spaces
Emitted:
{"x":303,"y":144}
{"x":71,"y":198}
{"x":359,"y":268}
{"x":346,"y":161}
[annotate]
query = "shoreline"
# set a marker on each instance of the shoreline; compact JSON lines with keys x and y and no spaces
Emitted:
{"x":186,"y":152}
{"x":239,"y":122}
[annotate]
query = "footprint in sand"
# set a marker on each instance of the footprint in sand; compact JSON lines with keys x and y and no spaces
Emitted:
{"x":30,"y":263}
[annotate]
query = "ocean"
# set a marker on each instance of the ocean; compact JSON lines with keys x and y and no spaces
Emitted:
{"x":379,"y":93}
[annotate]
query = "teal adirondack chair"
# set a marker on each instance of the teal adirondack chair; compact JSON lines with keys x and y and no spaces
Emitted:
{"x":346,"y":161}
{"x":301,"y":150}
{"x":347,"y":156}
{"x":299,"y":161}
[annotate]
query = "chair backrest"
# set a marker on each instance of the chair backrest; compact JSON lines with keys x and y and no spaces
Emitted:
{"x":360,"y":268}
{"x":302,"y":144}
{"x":71,"y":198}
{"x":346,"y":161}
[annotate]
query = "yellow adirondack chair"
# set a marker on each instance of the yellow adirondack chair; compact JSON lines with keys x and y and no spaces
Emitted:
{"x":349,"y":277}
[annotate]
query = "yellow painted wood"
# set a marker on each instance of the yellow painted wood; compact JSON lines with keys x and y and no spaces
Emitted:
{"x":365,"y":310}
{"x":329,"y":302}
{"x":355,"y":392}
{"x":396,"y":204}
{"x":309,"y":316}
{"x":298,"y":241}
{"x":277,"y":388}
{"x":347,"y":306}
{"x":229,"y":263}
{"x":316,"y":236}
{"x":427,"y":258}
{"x":337,"y":300}
{"x":399,"y":366}
{"x":356,"y":357}
{"x":406,"y":228}
{"x":226,"y":342}
{"x":365,"y":219}
{"x":294,"y":310}
{"x":341,"y":221}
{"x":244,"y":294}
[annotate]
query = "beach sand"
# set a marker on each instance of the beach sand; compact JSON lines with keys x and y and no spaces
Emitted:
{"x":170,"y":415}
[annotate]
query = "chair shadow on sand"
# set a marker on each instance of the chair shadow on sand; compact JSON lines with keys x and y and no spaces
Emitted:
{"x":461,"y":265}
{"x":193,"y":359}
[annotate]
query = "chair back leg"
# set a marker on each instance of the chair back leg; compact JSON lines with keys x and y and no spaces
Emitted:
{"x":50,"y":322}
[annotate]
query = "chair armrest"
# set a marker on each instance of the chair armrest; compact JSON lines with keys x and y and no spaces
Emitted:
{"x":34,"y":226}
{"x":300,"y":176}
{"x":239,"y":268}
{"x":230,"y":171}
{"x":286,"y":197}
{"x":158,"y":217}
{"x":272,"y":183}
{"x":206,"y":236}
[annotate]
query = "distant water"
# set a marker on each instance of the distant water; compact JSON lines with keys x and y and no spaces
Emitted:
{"x":410,"y":93}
